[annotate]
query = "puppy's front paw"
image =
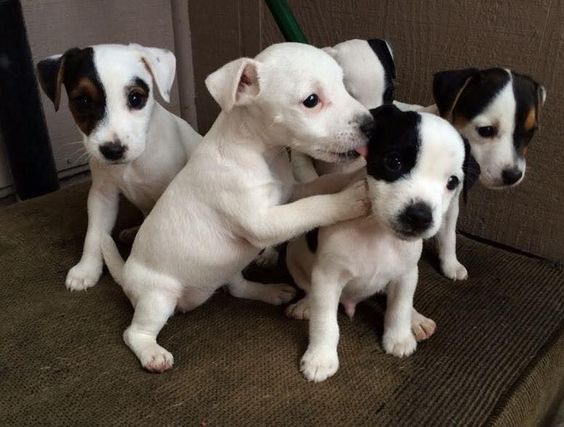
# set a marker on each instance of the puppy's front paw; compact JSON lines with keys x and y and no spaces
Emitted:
{"x":278,"y":293}
{"x":421,"y":326}
{"x":454,"y":270}
{"x":267,"y":258}
{"x":354,"y":200}
{"x":83,"y":276}
{"x":299,"y":310}
{"x":156,"y":359}
{"x":399,"y":345}
{"x":318,"y":364}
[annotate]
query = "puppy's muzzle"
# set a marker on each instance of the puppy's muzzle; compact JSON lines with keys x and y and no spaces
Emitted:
{"x":416,"y":218}
{"x":113,"y":150}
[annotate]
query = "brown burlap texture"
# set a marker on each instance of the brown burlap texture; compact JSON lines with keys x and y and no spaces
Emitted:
{"x":62,"y":359}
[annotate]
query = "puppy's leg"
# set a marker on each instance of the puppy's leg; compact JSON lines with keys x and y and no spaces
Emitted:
{"x":284,"y":222}
{"x":299,"y":310}
{"x":446,"y":240}
{"x":102,"y":212}
{"x":398,"y":338}
{"x":152,"y":310}
{"x":421,"y":326}
{"x":321,"y":361}
{"x":272,"y":293}
{"x":303,"y":167}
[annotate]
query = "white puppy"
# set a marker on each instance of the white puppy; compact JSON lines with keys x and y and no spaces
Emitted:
{"x":415,"y":169}
{"x":232,"y":199}
{"x":135,"y":146}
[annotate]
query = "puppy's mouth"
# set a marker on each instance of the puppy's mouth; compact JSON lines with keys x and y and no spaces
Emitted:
{"x":342,"y":156}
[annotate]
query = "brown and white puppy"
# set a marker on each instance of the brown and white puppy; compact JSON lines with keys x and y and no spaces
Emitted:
{"x":135,"y":146}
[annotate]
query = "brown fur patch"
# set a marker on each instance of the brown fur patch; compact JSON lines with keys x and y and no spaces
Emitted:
{"x":83,"y":116}
{"x":531,"y":120}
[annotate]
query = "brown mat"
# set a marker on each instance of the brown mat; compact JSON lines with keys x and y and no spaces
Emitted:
{"x":62,"y":359}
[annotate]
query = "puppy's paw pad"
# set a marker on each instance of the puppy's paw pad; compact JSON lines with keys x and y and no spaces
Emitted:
{"x":268,"y":258}
{"x":318,"y":365}
{"x":399,"y":345}
{"x":299,"y":310}
{"x":279,"y":293}
{"x":156,"y":359}
{"x":82,"y":276}
{"x":422,"y":327}
{"x":455,"y":270}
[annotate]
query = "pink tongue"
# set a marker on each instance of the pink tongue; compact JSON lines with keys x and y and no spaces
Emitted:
{"x":363,"y":150}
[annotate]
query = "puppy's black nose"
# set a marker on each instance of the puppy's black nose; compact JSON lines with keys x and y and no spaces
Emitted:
{"x":418,"y":216}
{"x":511,"y":176}
{"x":112,"y":150}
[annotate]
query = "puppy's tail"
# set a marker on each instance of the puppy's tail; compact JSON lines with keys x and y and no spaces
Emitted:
{"x":113,"y":259}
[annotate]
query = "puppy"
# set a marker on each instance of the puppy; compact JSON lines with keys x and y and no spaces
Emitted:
{"x":135,"y":146}
{"x":415,"y":167}
{"x":235,"y":195}
{"x":497,"y":111}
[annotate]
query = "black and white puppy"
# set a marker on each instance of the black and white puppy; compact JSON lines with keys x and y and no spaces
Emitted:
{"x":497,"y":111}
{"x":136,"y":147}
{"x":415,"y":167}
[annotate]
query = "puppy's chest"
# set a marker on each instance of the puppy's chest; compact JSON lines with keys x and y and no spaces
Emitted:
{"x":143,"y":188}
{"x":378,"y":261}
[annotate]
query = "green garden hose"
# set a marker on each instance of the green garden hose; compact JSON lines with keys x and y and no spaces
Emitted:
{"x":286,"y":21}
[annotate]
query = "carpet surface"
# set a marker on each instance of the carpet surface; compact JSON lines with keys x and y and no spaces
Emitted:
{"x":62,"y":359}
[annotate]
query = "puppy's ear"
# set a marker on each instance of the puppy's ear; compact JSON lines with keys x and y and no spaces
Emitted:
{"x":50,"y":75}
{"x":234,"y":84}
{"x":161,"y":64}
{"x":448,"y":85}
{"x":541,"y":98}
{"x":471,"y":170}
{"x":383,"y":51}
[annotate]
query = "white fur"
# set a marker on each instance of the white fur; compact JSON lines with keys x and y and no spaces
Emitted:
{"x":234,"y":196}
{"x":158,"y":145}
{"x":358,"y":258}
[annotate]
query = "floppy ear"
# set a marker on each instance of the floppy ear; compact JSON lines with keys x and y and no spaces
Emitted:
{"x":471,"y":170}
{"x":50,"y":75}
{"x":161,"y":63}
{"x":383,"y":51}
{"x":541,"y":98}
{"x":234,"y":84}
{"x":448,"y":85}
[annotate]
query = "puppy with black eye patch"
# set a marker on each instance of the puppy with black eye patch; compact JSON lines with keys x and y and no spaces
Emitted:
{"x":415,"y":169}
{"x":135,"y":146}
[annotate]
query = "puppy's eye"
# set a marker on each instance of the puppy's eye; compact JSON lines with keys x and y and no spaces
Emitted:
{"x":311,"y":101}
{"x":453,"y":182}
{"x":136,"y":100}
{"x":392,"y":162}
{"x":487,"y":131}
{"x":82,"y":101}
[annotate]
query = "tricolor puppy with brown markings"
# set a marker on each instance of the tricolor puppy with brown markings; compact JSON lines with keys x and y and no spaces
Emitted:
{"x":497,"y":110}
{"x":135,"y":146}
{"x":415,"y":167}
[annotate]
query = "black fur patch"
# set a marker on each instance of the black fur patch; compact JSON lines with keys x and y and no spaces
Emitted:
{"x":525,"y":91}
{"x":482,"y":87}
{"x":312,"y":239}
{"x":471,"y":170}
{"x":380,"y":48}
{"x":82,"y":82}
{"x":394,"y":134}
